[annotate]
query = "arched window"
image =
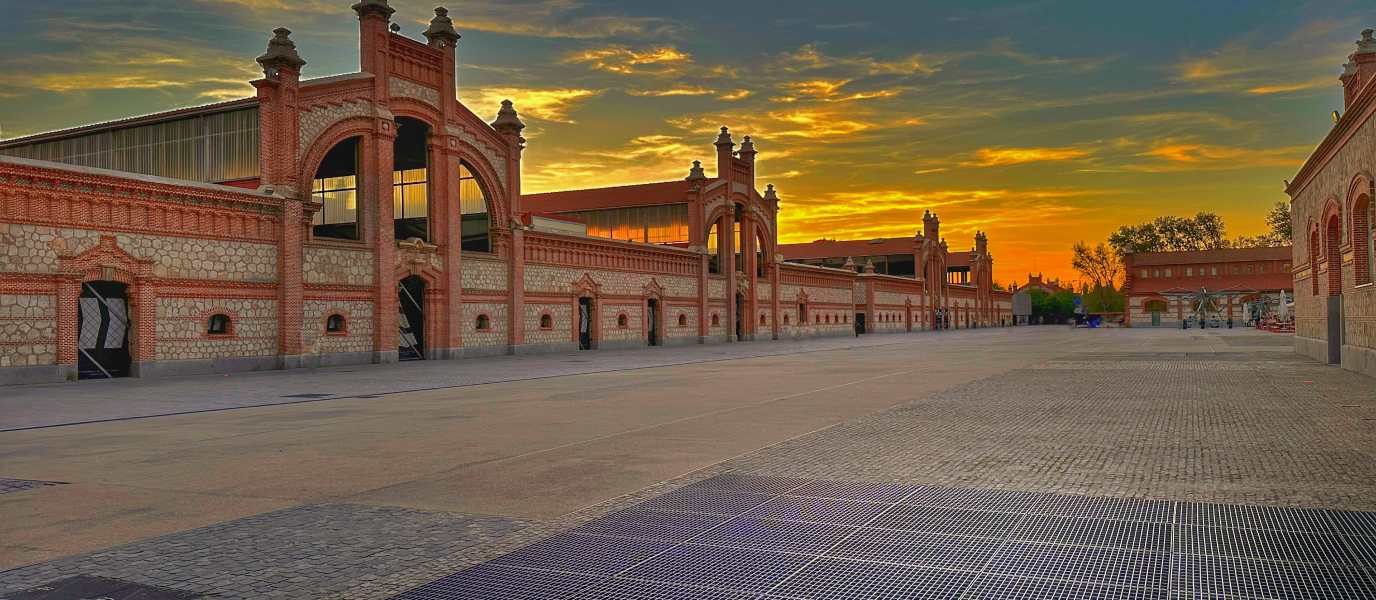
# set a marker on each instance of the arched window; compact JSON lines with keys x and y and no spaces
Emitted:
{"x":219,"y":325}
{"x":336,"y":189}
{"x":411,"y":180}
{"x":713,"y":248}
{"x":763,"y":321}
{"x":1314,"y":262}
{"x":621,"y":321}
{"x":683,"y":320}
{"x":1362,"y":216}
{"x":715,"y":321}
{"x":802,"y":314}
{"x":546,"y":322}
{"x":477,"y":219}
{"x":817,"y":319}
{"x":334,"y":324}
{"x":785,"y":318}
{"x":483,"y":323}
{"x":737,"y":239}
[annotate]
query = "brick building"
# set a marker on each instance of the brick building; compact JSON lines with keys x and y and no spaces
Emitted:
{"x":1160,"y":286}
{"x":370,"y":218}
{"x":1332,"y":218}
{"x":1039,"y":283}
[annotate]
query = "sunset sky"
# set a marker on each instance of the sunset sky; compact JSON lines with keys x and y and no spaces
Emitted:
{"x":1041,"y":123}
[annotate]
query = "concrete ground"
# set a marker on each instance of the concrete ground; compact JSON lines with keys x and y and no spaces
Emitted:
{"x":377,"y":488}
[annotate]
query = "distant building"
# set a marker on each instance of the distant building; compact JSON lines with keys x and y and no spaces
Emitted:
{"x":1160,"y":285}
{"x":1036,"y":282}
{"x":1332,"y":217}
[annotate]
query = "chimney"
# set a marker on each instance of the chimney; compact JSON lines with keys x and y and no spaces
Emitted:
{"x":981,"y":243}
{"x":1360,"y":68}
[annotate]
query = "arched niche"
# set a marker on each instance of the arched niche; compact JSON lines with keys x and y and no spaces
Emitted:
{"x":476,"y":208}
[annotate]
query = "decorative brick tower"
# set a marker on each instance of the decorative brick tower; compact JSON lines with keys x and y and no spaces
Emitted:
{"x":279,"y":122}
{"x":1360,"y":68}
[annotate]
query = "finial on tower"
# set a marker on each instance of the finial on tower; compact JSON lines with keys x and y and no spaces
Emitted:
{"x":770,"y":194}
{"x":1366,"y":45}
{"x":725,"y":138}
{"x":747,"y":151}
{"x":281,"y":53}
{"x":507,"y":120}
{"x":695,"y":173}
{"x":378,"y":8}
{"x":441,"y":31}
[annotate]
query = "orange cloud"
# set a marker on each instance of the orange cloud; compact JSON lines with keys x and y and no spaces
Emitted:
{"x":990,"y":157}
{"x":550,"y":104}
{"x":622,"y":59}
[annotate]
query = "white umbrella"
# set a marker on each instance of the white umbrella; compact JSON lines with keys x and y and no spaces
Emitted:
{"x":1284,"y":308}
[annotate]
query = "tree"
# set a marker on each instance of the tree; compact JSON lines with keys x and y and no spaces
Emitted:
{"x":1204,"y":231}
{"x":1052,"y":307}
{"x":1103,"y":267}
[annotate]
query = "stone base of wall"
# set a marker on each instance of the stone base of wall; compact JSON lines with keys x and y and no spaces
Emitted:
{"x":550,"y":348}
{"x":715,"y":339}
{"x":41,"y":374}
{"x":205,"y":366}
{"x":807,"y":335}
{"x":1359,"y":359}
{"x":1312,"y":348}
{"x":335,"y":359}
{"x":618,"y":344}
{"x":678,"y":341}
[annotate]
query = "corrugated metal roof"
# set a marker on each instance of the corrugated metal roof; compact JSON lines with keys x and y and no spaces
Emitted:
{"x":131,"y":122}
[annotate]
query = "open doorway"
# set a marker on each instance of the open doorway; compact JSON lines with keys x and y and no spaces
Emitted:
{"x":585,"y":323}
{"x":411,"y":318}
{"x":652,"y":313}
{"x":103,"y":326}
{"x":740,"y":320}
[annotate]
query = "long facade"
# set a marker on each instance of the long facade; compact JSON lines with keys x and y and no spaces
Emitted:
{"x":1162,"y":288}
{"x":371,"y":218}
{"x":1332,"y":218}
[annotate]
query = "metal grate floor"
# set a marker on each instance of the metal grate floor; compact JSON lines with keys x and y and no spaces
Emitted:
{"x":740,"y":537}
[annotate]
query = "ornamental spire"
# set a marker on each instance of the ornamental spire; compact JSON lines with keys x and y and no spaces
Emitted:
{"x":507,"y":120}
{"x":281,"y":53}
{"x":441,"y":28}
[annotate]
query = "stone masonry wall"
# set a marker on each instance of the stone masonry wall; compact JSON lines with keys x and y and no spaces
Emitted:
{"x":358,"y":326}
{"x":561,"y":315}
{"x":182,"y":323}
{"x":485,"y":274}
{"x":28,"y":330}
{"x":337,"y":266}
{"x":496,"y":312}
{"x":35,"y":249}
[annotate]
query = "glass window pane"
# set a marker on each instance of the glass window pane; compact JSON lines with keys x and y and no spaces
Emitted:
{"x":396,"y":202}
{"x":396,"y":177}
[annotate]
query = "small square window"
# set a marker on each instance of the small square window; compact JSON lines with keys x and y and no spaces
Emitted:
{"x":1156,"y":272}
{"x":1262,"y":269}
{"x":1213,"y":270}
{"x":1285,"y":267}
{"x":1168,"y":272}
{"x":1189,"y":271}
{"x":1144,"y":273}
{"x":219,"y":325}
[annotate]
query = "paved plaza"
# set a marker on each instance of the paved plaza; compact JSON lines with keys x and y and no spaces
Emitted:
{"x":1037,"y":462}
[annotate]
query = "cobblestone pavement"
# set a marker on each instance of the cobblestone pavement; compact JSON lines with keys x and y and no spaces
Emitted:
{"x":47,"y":405}
{"x":1224,"y":418}
{"x":302,"y":552}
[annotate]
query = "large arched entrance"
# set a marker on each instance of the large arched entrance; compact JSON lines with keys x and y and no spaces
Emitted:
{"x":411,"y":318}
{"x":103,"y":330}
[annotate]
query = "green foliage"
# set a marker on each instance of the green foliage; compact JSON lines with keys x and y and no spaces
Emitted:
{"x":1205,"y":231}
{"x":1052,"y":306}
{"x":1278,"y":220}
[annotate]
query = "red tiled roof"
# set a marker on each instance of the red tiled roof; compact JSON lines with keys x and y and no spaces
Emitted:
{"x":1211,"y":256}
{"x":131,"y":122}
{"x":642,"y":194}
{"x":1269,"y":282}
{"x":957,"y":259}
{"x":847,"y":248}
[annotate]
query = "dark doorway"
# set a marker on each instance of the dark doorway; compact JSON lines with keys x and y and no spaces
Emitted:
{"x":740,"y":320}
{"x":652,"y":313}
{"x":859,"y":323}
{"x":585,"y":323}
{"x":103,"y":326}
{"x":411,"y":318}
{"x":1335,"y":328}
